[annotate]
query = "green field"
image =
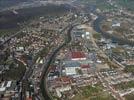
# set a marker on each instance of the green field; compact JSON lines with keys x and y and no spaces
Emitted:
{"x":129,"y":68}
{"x":15,"y":73}
{"x":8,"y":31}
{"x":129,"y":96}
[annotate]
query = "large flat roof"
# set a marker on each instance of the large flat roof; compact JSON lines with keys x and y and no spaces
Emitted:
{"x":78,"y":54}
{"x":71,"y":64}
{"x":2,"y":89}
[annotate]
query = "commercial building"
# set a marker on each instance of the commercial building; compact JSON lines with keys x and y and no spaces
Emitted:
{"x":7,"y":89}
{"x":85,"y":69}
{"x":71,"y":67}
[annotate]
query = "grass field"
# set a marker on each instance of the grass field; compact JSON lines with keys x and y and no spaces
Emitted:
{"x":14,"y":73}
{"x":129,"y":96}
{"x":129,"y":68}
{"x":8,"y":31}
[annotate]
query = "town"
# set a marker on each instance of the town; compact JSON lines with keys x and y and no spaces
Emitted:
{"x":86,"y":52}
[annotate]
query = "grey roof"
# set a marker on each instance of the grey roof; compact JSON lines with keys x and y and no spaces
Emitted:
{"x":72,"y":64}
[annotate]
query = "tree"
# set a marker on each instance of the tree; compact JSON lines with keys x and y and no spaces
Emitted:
{"x":79,"y":71}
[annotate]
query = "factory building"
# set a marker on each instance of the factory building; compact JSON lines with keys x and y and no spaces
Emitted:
{"x":78,"y":55}
{"x":71,"y":67}
{"x":7,"y":90}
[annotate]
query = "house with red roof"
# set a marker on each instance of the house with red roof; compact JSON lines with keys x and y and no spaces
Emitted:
{"x":85,"y":68}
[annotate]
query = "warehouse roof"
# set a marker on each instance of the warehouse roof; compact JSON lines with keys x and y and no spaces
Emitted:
{"x":72,"y":64}
{"x":77,"y":54}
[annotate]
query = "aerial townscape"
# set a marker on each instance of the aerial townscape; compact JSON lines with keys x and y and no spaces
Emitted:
{"x":66,"y":49}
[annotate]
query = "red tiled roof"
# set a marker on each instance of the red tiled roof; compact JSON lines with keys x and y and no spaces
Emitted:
{"x":52,"y":68}
{"x":63,"y":79}
{"x":66,"y":79}
{"x":85,"y":66}
{"x":77,"y":54}
{"x":30,"y":98}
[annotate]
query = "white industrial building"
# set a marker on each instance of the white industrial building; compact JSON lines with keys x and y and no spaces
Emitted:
{"x":71,"y":67}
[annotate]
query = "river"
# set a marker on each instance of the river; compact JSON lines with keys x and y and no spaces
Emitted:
{"x":119,"y":40}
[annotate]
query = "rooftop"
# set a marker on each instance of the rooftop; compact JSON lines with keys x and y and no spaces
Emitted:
{"x":78,"y":54}
{"x":64,"y":79}
{"x":72,"y":64}
{"x":85,"y":66}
